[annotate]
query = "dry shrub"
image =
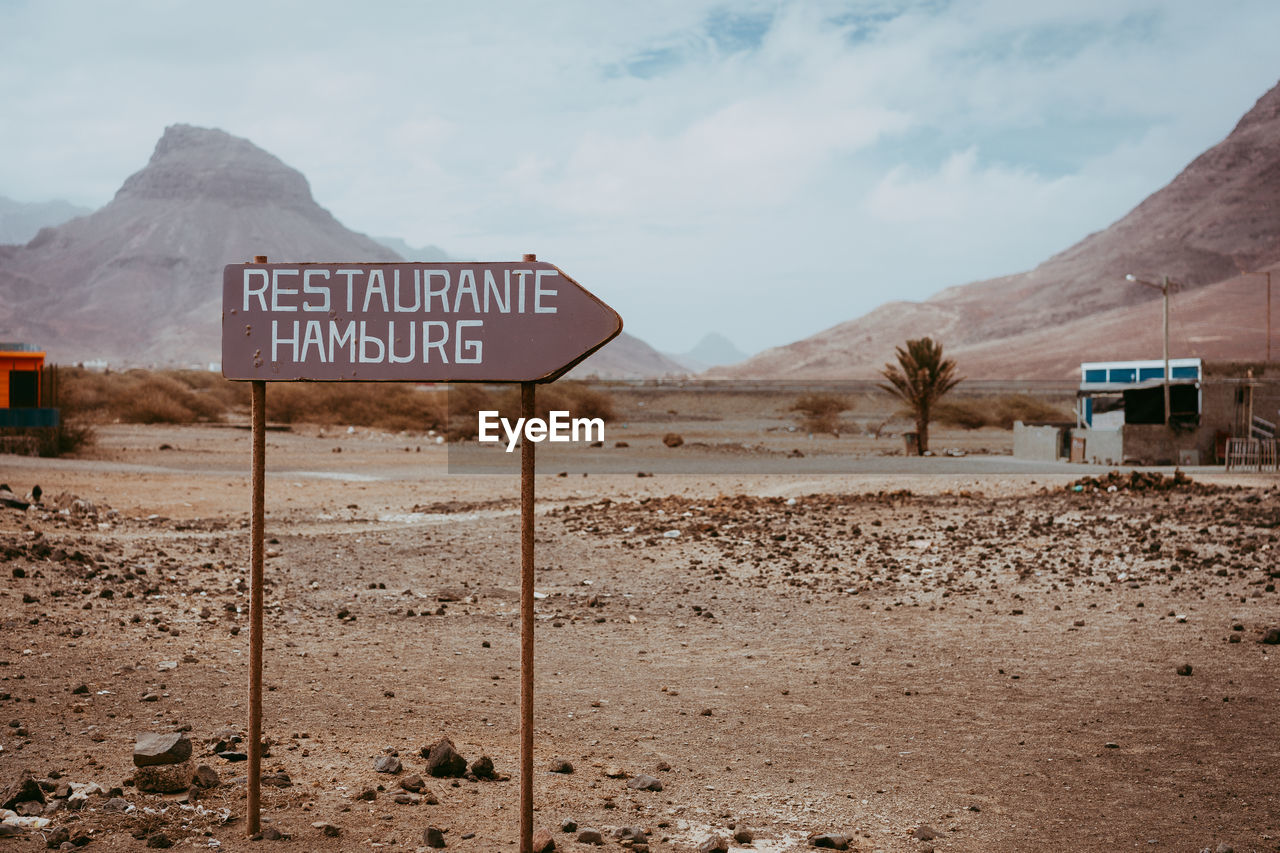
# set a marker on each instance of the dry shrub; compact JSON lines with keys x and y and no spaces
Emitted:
{"x":978,"y":412}
{"x":188,"y":396}
{"x":66,"y":438}
{"x":145,"y":397}
{"x":579,"y":399}
{"x":388,"y":406}
{"x":466,"y":401}
{"x":821,"y":411}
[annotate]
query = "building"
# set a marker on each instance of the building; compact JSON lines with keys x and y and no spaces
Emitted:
{"x":1120,"y":417}
{"x":25,"y":394}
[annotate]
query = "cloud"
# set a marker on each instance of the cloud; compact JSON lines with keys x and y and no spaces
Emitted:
{"x":742,"y":148}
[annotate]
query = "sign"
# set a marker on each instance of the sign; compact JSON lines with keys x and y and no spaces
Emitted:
{"x":439,"y":322}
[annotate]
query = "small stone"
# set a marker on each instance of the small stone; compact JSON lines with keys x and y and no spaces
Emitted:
{"x":232,"y":755}
{"x":80,"y":689}
{"x":831,"y":840}
{"x":672,"y":439}
{"x":1271,"y":637}
{"x":1185,"y":669}
{"x":714,"y":844}
{"x":482,"y":767}
{"x":367,"y":794}
{"x":568,"y":825}
{"x":8,"y":830}
{"x":590,"y":836}
{"x":164,"y":778}
{"x":443,"y":759}
{"x":159,"y":840}
{"x":924,"y":832}
{"x":1111,"y":745}
{"x":413,"y":783}
{"x":645,"y":782}
{"x":560,"y":765}
{"x":1224,"y":847}
{"x":116,"y":804}
{"x":327,"y":829}
{"x":613,"y":771}
{"x":24,"y":789}
{"x":151,"y":697}
{"x":270,"y":833}
{"x":58,"y":837}
{"x":154,"y":748}
{"x":543,"y":842}
{"x":279,"y":779}
{"x":206,"y":777}
{"x":387,"y":764}
{"x":433,"y":837}
{"x":743,"y":835}
{"x":631,"y":833}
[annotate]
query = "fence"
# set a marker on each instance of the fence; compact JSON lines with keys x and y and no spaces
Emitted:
{"x":1252,"y":454}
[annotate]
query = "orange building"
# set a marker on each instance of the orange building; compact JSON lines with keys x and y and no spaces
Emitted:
{"x":22,"y":402}
{"x":20,"y":366}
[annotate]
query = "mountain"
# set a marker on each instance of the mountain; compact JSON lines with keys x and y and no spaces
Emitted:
{"x":426,"y":254}
{"x":1218,"y":217}
{"x":139,"y":282}
{"x":20,"y":221}
{"x":628,"y":357}
{"x":713,"y":350}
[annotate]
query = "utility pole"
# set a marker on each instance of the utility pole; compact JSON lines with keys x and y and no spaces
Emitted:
{"x":1163,"y":287}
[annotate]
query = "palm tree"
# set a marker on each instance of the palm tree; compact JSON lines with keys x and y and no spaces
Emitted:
{"x":919,"y":379}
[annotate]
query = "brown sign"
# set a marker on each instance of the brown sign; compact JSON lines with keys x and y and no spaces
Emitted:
{"x":445,"y":322}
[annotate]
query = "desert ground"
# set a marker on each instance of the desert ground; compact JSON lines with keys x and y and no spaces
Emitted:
{"x":948,"y":654}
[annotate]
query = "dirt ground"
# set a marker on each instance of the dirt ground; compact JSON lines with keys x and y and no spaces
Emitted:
{"x":949,"y":661}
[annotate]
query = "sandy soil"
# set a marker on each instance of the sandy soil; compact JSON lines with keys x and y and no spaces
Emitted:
{"x":987,"y":659}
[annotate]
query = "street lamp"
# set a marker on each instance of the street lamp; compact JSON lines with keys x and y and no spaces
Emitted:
{"x":1163,"y":287}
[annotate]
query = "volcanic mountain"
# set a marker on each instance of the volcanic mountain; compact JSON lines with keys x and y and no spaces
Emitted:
{"x":1218,"y":218}
{"x":139,"y":281}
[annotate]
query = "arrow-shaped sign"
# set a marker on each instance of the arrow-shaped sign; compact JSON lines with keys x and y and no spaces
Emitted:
{"x":446,"y":322}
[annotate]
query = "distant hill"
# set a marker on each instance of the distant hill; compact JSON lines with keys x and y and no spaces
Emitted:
{"x":139,"y":282}
{"x":713,"y":350}
{"x":628,"y":357}
{"x":20,"y":221}
{"x":410,"y":253}
{"x":1219,"y":216}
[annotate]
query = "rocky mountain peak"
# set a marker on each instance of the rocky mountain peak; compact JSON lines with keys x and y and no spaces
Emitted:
{"x":192,"y":163}
{"x":1265,"y":111}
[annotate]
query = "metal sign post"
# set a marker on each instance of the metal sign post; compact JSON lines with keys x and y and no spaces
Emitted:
{"x":258,"y":418}
{"x":527,"y":410}
{"x":525,"y":322}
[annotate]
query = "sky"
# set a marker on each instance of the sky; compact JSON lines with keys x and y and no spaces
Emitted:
{"x":763,"y":170}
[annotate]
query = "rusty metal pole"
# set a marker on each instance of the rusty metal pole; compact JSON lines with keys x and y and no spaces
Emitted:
{"x":258,"y":418}
{"x":259,"y":389}
{"x":527,"y":411}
